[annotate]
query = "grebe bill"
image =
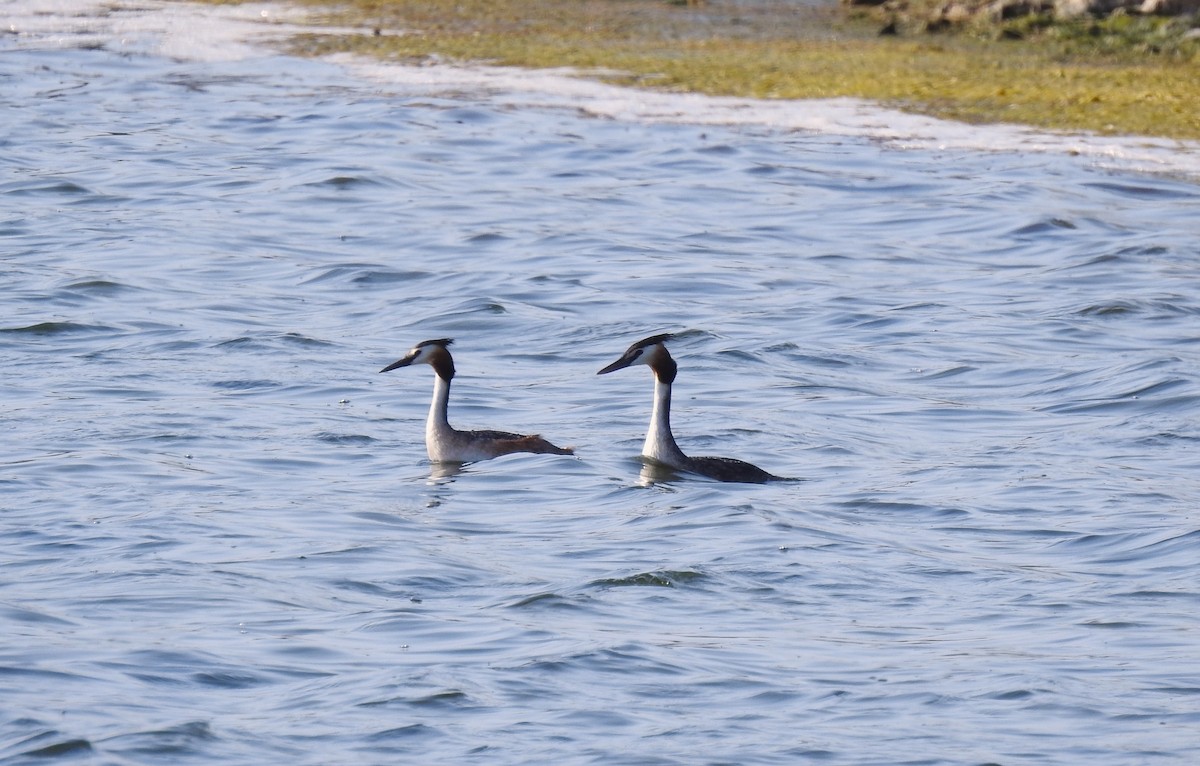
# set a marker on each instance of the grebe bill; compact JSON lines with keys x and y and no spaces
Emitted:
{"x":660,"y":443}
{"x":443,"y":442}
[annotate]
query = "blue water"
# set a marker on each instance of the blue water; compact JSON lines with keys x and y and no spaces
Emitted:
{"x":221,"y":540}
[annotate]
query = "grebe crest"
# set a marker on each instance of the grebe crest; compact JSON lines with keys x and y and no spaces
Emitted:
{"x":447,"y":444}
{"x":660,"y":443}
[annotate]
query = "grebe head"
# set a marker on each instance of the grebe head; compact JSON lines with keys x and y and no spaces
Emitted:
{"x":651,"y":352}
{"x":431,"y":352}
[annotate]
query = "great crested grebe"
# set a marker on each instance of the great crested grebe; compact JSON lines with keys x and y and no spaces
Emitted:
{"x":447,"y":444}
{"x":660,"y":444}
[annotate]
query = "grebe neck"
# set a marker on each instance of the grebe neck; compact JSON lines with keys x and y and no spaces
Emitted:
{"x":437,"y":427}
{"x":660,"y":442}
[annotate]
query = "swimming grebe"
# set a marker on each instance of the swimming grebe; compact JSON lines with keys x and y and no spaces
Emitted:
{"x":446,"y":444}
{"x":660,"y":444}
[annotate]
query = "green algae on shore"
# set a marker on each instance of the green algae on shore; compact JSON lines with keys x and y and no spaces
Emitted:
{"x":1084,"y":76}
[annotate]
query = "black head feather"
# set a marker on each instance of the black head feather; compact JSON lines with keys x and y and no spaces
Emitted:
{"x":653,"y":340}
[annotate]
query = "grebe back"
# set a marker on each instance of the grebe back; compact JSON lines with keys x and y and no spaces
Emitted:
{"x":444,"y":442}
{"x":660,"y":443}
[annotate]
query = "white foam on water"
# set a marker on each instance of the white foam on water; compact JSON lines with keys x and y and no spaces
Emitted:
{"x":185,"y":31}
{"x":219,"y":33}
{"x":839,"y":116}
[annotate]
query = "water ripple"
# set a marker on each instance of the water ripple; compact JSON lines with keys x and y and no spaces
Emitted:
{"x":224,"y":541}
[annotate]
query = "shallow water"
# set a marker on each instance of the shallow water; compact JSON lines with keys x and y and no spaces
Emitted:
{"x":222,"y":541}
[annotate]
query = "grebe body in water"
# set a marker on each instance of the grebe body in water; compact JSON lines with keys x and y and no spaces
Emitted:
{"x":660,"y":443}
{"x":444,"y":442}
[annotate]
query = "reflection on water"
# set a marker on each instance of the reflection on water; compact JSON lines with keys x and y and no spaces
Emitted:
{"x":223,"y":541}
{"x":654,"y":472}
{"x":440,"y":472}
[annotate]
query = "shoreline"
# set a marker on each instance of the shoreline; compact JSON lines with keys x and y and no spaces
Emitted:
{"x":201,"y":32}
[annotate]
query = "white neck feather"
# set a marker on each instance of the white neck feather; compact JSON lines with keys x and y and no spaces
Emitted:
{"x":660,"y":443}
{"x":437,"y":427}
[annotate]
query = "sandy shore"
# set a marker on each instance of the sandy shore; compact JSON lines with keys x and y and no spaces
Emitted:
{"x":196,"y":32}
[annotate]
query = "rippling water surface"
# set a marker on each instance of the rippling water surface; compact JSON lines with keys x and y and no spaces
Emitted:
{"x":222,"y":541}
